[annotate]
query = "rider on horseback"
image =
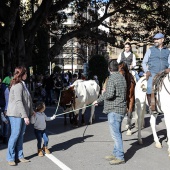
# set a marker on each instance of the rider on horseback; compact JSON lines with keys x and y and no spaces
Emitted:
{"x":128,"y":57}
{"x":156,"y":59}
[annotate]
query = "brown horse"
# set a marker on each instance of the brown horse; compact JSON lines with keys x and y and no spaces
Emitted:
{"x":130,"y":94}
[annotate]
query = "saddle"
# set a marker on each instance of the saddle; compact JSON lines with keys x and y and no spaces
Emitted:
{"x":156,"y":87}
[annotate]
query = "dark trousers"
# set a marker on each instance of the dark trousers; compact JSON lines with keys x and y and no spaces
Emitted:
{"x":39,"y":135}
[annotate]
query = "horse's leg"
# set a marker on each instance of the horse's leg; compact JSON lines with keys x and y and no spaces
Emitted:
{"x":129,"y":120}
{"x":82,"y":116}
{"x":129,"y":114}
{"x":140,"y":110}
{"x":143,"y":115}
{"x":153,"y":127}
{"x":65,"y":119}
{"x":71,"y":116}
{"x":167,"y":123}
{"x":92,"y":115}
{"x":76,"y":118}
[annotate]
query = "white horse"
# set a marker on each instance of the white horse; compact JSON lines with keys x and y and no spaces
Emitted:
{"x":163,"y":96}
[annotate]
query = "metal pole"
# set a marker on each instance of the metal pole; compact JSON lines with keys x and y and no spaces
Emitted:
{"x":87,"y":55}
{"x":72,"y":58}
{"x":96,"y":17}
{"x":50,"y":47}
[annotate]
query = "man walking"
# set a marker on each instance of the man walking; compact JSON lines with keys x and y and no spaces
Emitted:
{"x":115,"y":107}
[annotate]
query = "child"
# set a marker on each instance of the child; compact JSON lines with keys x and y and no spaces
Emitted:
{"x":39,"y":120}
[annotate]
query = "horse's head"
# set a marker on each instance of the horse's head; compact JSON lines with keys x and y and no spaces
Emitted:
{"x":123,"y":68}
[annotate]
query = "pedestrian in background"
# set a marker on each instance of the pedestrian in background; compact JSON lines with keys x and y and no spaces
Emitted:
{"x":5,"y":125}
{"x":7,"y":79}
{"x":39,"y":120}
{"x":114,"y":99}
{"x":19,"y":109}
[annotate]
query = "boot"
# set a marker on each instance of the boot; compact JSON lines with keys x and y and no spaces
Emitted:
{"x":153,"y":103}
{"x":45,"y":149}
{"x":40,"y":153}
{"x":149,"y":99}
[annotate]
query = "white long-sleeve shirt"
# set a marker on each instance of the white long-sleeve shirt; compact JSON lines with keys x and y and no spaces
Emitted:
{"x":126,"y":55}
{"x":39,"y":120}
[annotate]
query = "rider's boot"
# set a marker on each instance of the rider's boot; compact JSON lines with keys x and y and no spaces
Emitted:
{"x":151,"y":103}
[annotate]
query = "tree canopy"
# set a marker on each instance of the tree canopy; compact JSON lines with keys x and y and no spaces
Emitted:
{"x":133,"y":19}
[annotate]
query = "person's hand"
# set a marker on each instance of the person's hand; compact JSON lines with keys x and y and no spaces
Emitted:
{"x":6,"y":122}
{"x":95,"y":103}
{"x":5,"y":112}
{"x":131,"y":67}
{"x":53,"y":117}
{"x":103,"y":90}
{"x":167,"y":70}
{"x":27,"y":121}
{"x":148,"y":74}
{"x":33,"y":113}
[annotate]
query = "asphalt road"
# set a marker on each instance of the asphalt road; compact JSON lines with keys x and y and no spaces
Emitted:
{"x":85,"y":147}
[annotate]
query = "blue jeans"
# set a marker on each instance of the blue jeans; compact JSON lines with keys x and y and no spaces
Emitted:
{"x":149,"y":83}
{"x":115,"y":122}
{"x":39,"y":135}
{"x":15,"y":143}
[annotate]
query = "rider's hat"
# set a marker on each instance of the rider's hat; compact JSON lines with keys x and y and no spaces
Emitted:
{"x":158,"y":36}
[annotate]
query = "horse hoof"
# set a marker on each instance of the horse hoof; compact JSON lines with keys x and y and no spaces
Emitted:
{"x":140,"y":142}
{"x":158,"y":145}
{"x":90,"y":123}
{"x":129,"y":133}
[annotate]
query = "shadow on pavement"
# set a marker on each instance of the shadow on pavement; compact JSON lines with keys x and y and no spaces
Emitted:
{"x":67,"y":144}
{"x":146,"y":142}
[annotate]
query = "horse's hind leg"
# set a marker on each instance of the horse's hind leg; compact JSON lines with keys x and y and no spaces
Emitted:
{"x":167,"y":123}
{"x":92,"y":116}
{"x":153,"y":126}
{"x":129,"y":124}
{"x":82,"y":116}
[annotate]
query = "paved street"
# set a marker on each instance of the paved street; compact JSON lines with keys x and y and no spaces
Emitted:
{"x":84,"y":148}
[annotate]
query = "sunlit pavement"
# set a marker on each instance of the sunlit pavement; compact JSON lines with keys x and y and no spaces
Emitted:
{"x":84,"y":148}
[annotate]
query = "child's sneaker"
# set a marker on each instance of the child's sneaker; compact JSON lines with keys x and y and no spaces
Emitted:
{"x":40,"y":153}
{"x":45,"y":149}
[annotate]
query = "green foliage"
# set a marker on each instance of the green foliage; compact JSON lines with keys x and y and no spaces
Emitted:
{"x":98,"y":65}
